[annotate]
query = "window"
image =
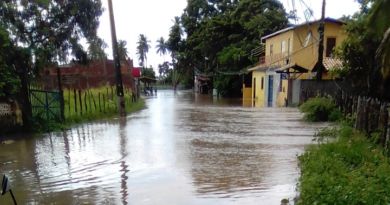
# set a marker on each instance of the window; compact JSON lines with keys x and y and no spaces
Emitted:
{"x":283,"y":47}
{"x":288,"y":46}
{"x":330,"y":44}
{"x":262,"y":83}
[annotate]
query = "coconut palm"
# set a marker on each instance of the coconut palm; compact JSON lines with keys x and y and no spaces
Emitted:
{"x":161,"y":46}
{"x":142,"y":49}
{"x":379,"y":22}
{"x":122,"y":50}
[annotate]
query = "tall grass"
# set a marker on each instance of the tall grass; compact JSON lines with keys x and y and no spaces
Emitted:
{"x":96,"y":103}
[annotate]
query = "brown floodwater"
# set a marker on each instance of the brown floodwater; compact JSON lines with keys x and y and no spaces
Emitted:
{"x":183,"y":149}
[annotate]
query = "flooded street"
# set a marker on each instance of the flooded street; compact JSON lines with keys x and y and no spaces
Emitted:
{"x":182,"y":149}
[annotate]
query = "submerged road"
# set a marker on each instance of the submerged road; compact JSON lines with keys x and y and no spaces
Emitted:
{"x":183,"y":149}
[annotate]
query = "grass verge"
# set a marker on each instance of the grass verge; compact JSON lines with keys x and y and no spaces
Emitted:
{"x":351,"y":169}
{"x":89,"y":105}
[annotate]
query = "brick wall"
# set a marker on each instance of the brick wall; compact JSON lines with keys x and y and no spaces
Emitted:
{"x":95,"y":74}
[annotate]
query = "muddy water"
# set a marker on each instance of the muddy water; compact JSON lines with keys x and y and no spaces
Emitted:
{"x":182,"y":149}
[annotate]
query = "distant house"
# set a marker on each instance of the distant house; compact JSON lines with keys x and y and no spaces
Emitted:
{"x":94,"y":74}
{"x":287,"y":55}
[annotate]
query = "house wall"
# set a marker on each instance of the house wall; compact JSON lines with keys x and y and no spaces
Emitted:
{"x":258,"y":94}
{"x":279,"y":55}
{"x":307,"y":56}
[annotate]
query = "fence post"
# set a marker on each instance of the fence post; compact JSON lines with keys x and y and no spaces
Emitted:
{"x":93,"y":100}
{"x":85,"y":102}
{"x":100,"y":107}
{"x":383,"y":121}
{"x":81,"y":103}
{"x":61,"y":92}
{"x":358,"y":114}
{"x":104,"y":104}
{"x":75,"y":100}
{"x":69,"y":99}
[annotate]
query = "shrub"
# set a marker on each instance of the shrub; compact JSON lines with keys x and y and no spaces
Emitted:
{"x":320,"y":109}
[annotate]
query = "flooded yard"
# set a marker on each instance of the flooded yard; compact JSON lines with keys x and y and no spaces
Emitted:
{"x":182,"y":149}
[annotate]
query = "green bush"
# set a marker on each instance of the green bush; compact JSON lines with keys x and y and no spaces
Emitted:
{"x":320,"y":109}
{"x":349,"y":170}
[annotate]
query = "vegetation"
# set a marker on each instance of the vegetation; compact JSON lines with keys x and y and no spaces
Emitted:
{"x":216,"y":38}
{"x":9,"y":82}
{"x":143,"y":49}
{"x":88,"y":105}
{"x":43,"y":33}
{"x":351,"y":169}
{"x":320,"y":109}
{"x":96,"y":103}
{"x":365,"y":52}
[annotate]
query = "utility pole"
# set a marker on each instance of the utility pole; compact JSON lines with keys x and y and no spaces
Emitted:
{"x":117,"y":64}
{"x":319,"y":66}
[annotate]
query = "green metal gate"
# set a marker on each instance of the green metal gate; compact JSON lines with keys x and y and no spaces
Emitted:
{"x":46,"y":105}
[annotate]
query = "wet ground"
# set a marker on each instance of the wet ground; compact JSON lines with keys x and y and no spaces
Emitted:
{"x":182,"y":149}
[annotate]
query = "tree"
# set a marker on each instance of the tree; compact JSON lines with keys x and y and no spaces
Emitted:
{"x":122,"y":50}
{"x":143,"y":49}
{"x":175,"y":47}
{"x":163,"y":69}
{"x":9,"y":82}
{"x":161,"y":46}
{"x":224,"y":32}
{"x":96,"y":49}
{"x":365,"y":38}
{"x":379,"y":21}
{"x":43,"y":33}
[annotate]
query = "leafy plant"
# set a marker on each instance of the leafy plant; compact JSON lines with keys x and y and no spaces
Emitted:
{"x":320,"y":109}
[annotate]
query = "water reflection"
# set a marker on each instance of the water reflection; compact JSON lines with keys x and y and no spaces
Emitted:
{"x":182,"y":149}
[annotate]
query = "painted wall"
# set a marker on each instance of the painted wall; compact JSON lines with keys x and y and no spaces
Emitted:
{"x":299,"y":48}
{"x":258,"y":91}
{"x":246,"y":96}
{"x":281,"y":47}
{"x":305,"y":50}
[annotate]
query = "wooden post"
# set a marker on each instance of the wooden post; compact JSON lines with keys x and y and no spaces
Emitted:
{"x":85,"y":102}
{"x":81,"y":103}
{"x":93,"y":100}
{"x":100,"y":107}
{"x":62,"y":104}
{"x":75,"y":101}
{"x":383,"y":121}
{"x":69,"y":100}
{"x":104,"y":104}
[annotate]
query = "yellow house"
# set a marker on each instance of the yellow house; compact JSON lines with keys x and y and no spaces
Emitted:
{"x":291,"y":54}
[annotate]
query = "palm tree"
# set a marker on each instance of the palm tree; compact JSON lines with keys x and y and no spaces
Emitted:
{"x":122,"y":50}
{"x":161,"y":46}
{"x":142,"y":49}
{"x":379,"y":22}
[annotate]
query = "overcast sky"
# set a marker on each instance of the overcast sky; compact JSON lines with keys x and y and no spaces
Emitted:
{"x":154,"y":18}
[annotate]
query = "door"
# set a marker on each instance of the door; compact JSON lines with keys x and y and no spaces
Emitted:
{"x":270,"y":90}
{"x":254,"y":92}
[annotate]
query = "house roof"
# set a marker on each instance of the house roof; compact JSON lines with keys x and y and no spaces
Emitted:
{"x":332,"y":20}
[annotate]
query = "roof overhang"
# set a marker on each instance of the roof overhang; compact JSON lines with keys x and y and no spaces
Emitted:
{"x":328,"y":20}
{"x":291,"y":68}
